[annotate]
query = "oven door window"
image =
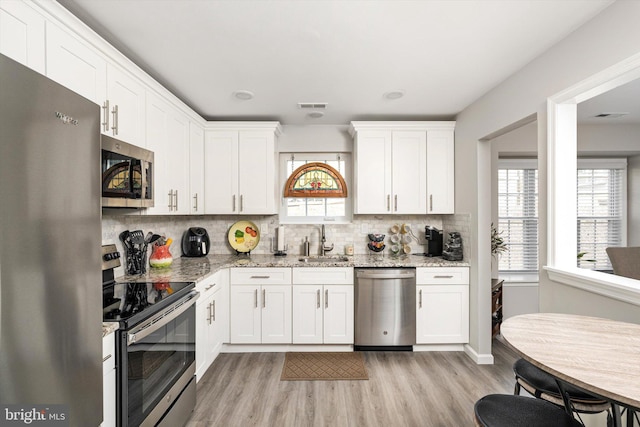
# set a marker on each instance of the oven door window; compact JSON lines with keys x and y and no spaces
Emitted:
{"x":156,"y":362}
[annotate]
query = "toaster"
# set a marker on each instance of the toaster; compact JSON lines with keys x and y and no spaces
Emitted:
{"x":195,"y":242}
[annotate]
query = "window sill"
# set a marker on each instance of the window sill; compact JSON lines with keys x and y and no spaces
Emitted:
{"x":608,"y":285}
{"x":517,"y":278}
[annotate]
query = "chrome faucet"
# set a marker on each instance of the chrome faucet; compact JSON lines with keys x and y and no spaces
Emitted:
{"x":323,"y":247}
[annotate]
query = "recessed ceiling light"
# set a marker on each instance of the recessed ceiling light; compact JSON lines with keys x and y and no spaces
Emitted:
{"x":315,"y":114}
{"x":395,"y":94}
{"x":243,"y":95}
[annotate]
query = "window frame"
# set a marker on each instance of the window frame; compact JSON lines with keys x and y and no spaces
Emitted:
{"x":521,"y":164}
{"x":316,"y":157}
{"x":605,"y":164}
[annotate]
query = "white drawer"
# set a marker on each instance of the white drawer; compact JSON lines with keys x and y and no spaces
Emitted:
{"x":442,"y":276}
{"x":260,"y":276}
{"x":207,"y":285}
{"x":108,"y":353}
{"x":323,"y":276}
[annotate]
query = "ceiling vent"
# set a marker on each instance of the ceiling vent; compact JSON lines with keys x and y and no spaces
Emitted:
{"x":611,"y":115}
{"x":312,"y":105}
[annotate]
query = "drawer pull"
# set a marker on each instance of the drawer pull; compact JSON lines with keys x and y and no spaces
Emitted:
{"x":443,"y":277}
{"x":260,"y":277}
{"x":106,"y":358}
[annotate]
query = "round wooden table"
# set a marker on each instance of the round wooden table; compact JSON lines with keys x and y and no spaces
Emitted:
{"x":601,"y":356}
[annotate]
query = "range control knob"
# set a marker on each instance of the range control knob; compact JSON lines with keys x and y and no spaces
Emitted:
{"x":111,"y":256}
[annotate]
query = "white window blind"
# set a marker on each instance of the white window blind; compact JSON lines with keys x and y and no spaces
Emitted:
{"x":518,"y":215}
{"x":601,"y":210}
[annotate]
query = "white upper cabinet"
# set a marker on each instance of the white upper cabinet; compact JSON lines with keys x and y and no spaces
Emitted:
{"x":392,"y":161}
{"x":440,"y":172}
{"x":22,"y":35}
{"x":75,"y":64}
{"x":196,"y":168}
{"x":78,"y":66}
{"x":124,"y":107}
{"x":409,"y":175}
{"x":168,"y":137}
{"x":240,"y":168}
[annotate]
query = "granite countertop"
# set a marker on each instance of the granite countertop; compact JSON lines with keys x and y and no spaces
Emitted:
{"x":109,"y":328}
{"x":195,"y":269}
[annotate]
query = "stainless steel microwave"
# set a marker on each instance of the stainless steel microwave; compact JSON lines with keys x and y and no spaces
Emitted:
{"x":127,"y":175}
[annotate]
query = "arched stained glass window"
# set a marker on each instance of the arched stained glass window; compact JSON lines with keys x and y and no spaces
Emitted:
{"x":315,"y":180}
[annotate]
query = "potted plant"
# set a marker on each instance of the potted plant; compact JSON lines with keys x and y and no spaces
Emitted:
{"x":498,"y":246}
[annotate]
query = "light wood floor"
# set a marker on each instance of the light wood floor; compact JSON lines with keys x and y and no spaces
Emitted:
{"x":404,"y":389}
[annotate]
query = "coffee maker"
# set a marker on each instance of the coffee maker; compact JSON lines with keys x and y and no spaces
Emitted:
{"x":434,"y":241}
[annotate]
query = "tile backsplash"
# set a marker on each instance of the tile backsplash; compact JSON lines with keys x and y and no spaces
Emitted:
{"x":354,"y":233}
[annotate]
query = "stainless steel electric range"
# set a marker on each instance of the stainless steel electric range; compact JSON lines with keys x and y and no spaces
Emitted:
{"x":155,"y":347}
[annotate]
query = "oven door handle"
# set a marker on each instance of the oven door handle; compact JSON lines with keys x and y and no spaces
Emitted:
{"x":160,"y":320}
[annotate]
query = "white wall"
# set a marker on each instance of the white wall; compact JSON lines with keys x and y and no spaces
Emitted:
{"x":318,"y":138}
{"x":609,"y":38}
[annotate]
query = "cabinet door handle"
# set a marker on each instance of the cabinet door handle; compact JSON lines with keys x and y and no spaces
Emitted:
{"x":170,"y":200}
{"x":195,"y":202}
{"x":395,"y":203}
{"x":175,"y":195}
{"x":326,"y":298}
{"x":241,"y":203}
{"x":443,"y":277}
{"x":420,"y":298}
{"x":264,"y":298}
{"x":255,"y":296}
{"x":114,"y":128}
{"x":430,"y":202}
{"x":213,"y":310}
{"x":209,"y":313}
{"x":388,"y":202}
{"x":107,"y":357}
{"x":105,"y":124}
{"x":318,"y":298}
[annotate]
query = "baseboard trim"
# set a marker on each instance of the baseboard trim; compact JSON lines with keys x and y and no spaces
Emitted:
{"x":480,"y":359}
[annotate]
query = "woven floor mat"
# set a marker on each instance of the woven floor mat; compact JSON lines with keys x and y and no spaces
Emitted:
{"x":324,"y":366}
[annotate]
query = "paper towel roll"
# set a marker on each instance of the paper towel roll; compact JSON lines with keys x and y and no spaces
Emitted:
{"x":281,"y":238}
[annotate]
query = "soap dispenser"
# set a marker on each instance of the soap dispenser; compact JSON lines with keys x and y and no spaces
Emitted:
{"x":306,"y":246}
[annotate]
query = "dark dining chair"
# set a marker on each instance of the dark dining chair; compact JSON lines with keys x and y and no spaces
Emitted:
{"x":625,"y":261}
{"x":504,"y":410}
{"x":542,"y":385}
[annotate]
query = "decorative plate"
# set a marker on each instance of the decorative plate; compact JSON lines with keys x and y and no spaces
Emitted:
{"x":244,"y":236}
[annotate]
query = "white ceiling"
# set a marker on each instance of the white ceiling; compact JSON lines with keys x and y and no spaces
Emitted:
{"x":443,"y":54}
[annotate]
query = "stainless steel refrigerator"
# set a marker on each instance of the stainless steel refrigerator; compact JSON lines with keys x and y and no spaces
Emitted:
{"x":50,"y":240}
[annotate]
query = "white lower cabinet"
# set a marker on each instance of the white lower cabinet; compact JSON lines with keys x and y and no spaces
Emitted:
{"x":323,"y":305}
{"x":442,"y":305}
{"x":260,"y":310}
{"x":108,"y":381}
{"x":212,"y":324}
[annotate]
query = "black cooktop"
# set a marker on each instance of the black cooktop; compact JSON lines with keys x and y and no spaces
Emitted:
{"x":128,"y":303}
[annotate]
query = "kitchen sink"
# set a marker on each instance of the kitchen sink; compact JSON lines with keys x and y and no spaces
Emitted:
{"x":323,"y":259}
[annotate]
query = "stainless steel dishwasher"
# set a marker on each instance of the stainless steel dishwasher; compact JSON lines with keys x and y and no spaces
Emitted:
{"x":385,"y":308}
